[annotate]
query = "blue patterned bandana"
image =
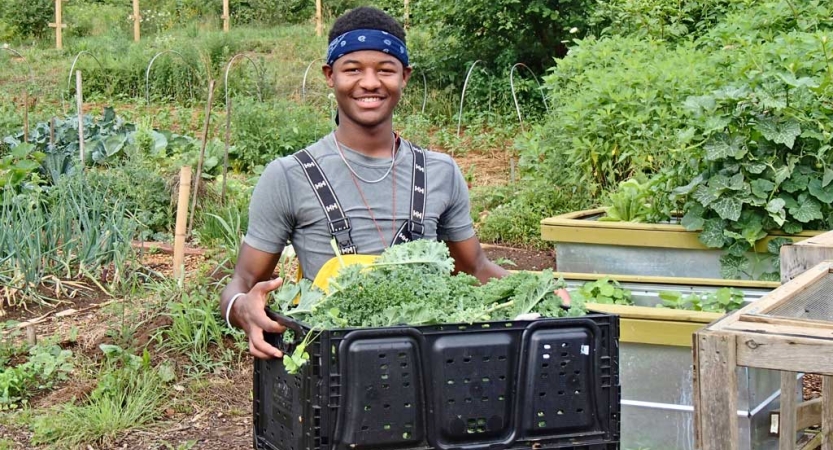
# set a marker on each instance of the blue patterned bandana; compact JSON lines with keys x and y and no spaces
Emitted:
{"x":366,"y":39}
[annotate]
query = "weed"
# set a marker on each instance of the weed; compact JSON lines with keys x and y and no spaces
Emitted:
{"x":130,"y":393}
{"x":45,"y":365}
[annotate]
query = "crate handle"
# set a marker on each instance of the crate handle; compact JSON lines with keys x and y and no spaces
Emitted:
{"x":292,"y":324}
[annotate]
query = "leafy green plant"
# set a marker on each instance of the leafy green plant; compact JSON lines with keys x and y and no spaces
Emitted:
{"x":628,"y":203}
{"x":723,"y":300}
{"x":512,"y":214}
{"x":604,"y":290}
{"x":130,"y":393}
{"x":196,"y":328}
{"x":412,"y":284}
{"x":45,"y":365}
{"x":23,"y":19}
{"x":20,"y":165}
{"x":264,"y":131}
{"x":661,"y":19}
{"x":617,"y":103}
{"x":766,"y":157}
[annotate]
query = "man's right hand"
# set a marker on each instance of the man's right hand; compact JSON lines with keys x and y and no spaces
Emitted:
{"x":249,"y":313}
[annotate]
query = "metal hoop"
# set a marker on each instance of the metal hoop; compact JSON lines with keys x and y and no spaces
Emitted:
{"x":228,"y":114}
{"x":515,"y":97}
{"x":72,"y":68}
{"x":463,"y":97}
{"x":29,"y":66}
{"x":257,"y":69}
{"x":304,"y":83}
{"x":150,"y":65}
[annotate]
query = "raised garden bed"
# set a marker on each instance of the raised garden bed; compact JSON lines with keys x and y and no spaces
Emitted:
{"x":585,"y":244}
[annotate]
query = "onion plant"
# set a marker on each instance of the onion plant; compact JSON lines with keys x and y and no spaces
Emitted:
{"x":66,"y":235}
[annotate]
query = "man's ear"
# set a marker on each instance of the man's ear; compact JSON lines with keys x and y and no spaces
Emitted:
{"x":406,"y":75}
{"x":328,"y":74}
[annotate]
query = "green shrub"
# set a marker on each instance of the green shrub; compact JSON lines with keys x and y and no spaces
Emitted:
{"x":662,"y":19}
{"x":94,"y":19}
{"x":500,"y":33}
{"x":616,"y":110}
{"x":512,"y":215}
{"x":23,"y":19}
{"x":263,"y":131}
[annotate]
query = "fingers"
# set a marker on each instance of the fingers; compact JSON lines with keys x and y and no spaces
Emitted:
{"x":259,"y":348}
{"x":265,"y":287}
{"x":252,"y":313}
{"x":564,"y":295}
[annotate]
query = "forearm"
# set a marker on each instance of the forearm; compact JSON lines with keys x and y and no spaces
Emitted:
{"x":487,"y":270}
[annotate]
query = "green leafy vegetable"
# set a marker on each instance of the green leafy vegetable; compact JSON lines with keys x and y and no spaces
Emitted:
{"x":412,"y":284}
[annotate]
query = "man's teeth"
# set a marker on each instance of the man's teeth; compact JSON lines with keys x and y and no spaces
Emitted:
{"x":370,"y":99}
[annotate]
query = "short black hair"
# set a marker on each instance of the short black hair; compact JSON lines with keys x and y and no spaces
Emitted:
{"x":366,"y":17}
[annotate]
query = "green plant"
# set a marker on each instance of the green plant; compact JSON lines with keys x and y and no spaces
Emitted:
{"x":264,"y":131}
{"x":766,"y":159}
{"x":628,"y":203}
{"x":617,"y":106}
{"x":723,"y":300}
{"x":662,"y":19}
{"x":500,"y":33}
{"x":130,"y":393}
{"x":58,"y":237}
{"x":23,"y":19}
{"x":197,"y":329}
{"x":512,"y":214}
{"x":45,"y":365}
{"x":604,"y":290}
{"x":412,"y":284}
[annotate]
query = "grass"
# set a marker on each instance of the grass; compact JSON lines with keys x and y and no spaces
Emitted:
{"x":132,"y":400}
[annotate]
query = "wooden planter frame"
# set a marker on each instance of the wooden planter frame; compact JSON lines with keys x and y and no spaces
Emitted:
{"x":751,"y":337}
{"x":578,"y":227}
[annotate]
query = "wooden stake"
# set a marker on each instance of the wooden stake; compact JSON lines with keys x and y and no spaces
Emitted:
{"x":319,"y":19}
{"x":181,"y":220}
{"x":827,"y":412}
{"x":31,"y":336}
{"x":137,"y":19}
{"x":226,"y":16}
{"x":79,"y":101}
{"x":58,"y":25}
{"x":407,"y":14}
{"x":25,"y":115}
{"x":787,"y":418}
{"x":202,"y":154}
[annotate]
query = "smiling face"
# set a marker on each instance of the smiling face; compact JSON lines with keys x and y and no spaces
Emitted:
{"x":367,"y":85}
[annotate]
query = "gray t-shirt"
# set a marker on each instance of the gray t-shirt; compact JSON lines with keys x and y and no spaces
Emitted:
{"x":284,"y":208}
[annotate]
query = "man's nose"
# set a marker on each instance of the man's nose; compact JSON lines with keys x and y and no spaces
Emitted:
{"x":370,"y":80}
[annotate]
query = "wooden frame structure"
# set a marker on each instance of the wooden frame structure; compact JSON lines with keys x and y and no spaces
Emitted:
{"x":752,"y":337}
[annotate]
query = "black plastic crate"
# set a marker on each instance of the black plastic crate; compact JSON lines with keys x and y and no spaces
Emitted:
{"x":548,"y":383}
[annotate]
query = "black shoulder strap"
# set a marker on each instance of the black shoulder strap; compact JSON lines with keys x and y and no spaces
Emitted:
{"x":414,"y":228}
{"x":338,"y":223}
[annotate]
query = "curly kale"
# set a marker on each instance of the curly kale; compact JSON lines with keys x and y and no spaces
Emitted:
{"x":413,"y":284}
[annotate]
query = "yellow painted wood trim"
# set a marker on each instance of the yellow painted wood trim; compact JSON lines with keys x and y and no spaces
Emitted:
{"x":684,"y":281}
{"x":573,"y":227}
{"x":656,"y":314}
{"x":642,"y":331}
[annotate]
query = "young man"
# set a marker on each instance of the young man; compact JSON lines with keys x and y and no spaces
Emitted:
{"x":362,"y":184}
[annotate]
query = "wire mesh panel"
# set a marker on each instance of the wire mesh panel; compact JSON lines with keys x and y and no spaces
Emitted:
{"x":815,"y":302}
